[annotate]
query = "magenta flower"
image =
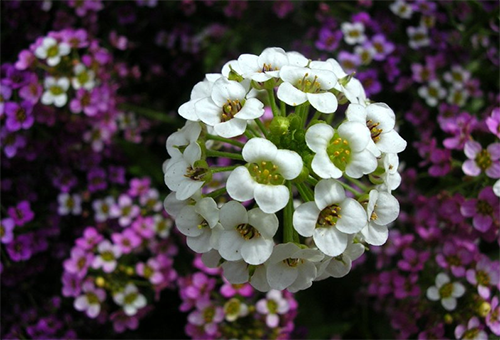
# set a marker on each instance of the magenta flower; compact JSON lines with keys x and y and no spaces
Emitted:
{"x":85,"y":101}
{"x":139,"y":186}
{"x":151,"y":200}
{"x":194,"y":288}
{"x":122,"y":322}
{"x":82,"y":7}
{"x":461,"y":130}
{"x":128,"y":240}
{"x":96,"y":178}
{"x":412,"y":260}
{"x":150,"y":270}
{"x":228,"y":290}
{"x":25,"y":59}
{"x":11,"y":142}
{"x":90,"y":301}
{"x":79,"y":262}
{"x":328,"y":40}
{"x":32,"y":91}
{"x":19,"y":116}
{"x":207,"y":315}
{"x":90,"y":238}
{"x":22,"y":213}
{"x":7,"y":230}
{"x":71,"y":285}
{"x":493,"y":122}
{"x":482,"y":160}
{"x":406,"y":286}
{"x":20,"y":249}
{"x":483,"y":210}
{"x":108,"y":256}
{"x":474,"y":330}
{"x":272,"y":307}
{"x":455,"y":257}
{"x":144,"y":226}
{"x":493,"y":318}
{"x":382,"y":47}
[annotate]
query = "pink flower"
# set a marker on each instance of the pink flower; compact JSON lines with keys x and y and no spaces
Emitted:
{"x":472,"y":331}
{"x":483,"y":210}
{"x":493,"y":122}
{"x":493,"y":318}
{"x":272,"y":306}
{"x":482,"y":160}
{"x":485,"y":275}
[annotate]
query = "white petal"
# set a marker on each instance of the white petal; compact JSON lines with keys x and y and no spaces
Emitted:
{"x":232,"y":214}
{"x":318,"y":136}
{"x":259,"y":149}
{"x":60,"y":100}
{"x":307,"y":273}
{"x":271,"y":198}
{"x":356,"y":133}
{"x":240,"y":185}
{"x":252,"y":109}
{"x":274,"y":56}
{"x":188,"y":111}
{"x":338,"y":268}
{"x":225,"y":90}
{"x":387,"y":208}
{"x":291,"y":95}
{"x":323,"y":167}
{"x":231,"y":128}
{"x":356,"y":113}
{"x":381,"y":113}
{"x":259,"y":279}
{"x":433,"y":293}
{"x":207,"y":208}
{"x":323,"y":102}
{"x":192,"y":153}
{"x":81,"y":303}
{"x":458,"y":290}
{"x":248,"y":64}
{"x":200,"y":244}
{"x":361,"y":163}
{"x":442,"y":279}
{"x":375,"y":234}
{"x":354,"y":251}
{"x":63,"y":83}
{"x":330,"y":241}
{"x":47,"y":98}
{"x":41,"y":52}
{"x":327,"y":192}
{"x":289,"y":163}
{"x":235,"y":272}
{"x":391,"y":142}
{"x":305,"y":218}
{"x":188,"y":188}
{"x":230,"y":243}
{"x":353,"y":216}
{"x":449,"y":303}
{"x":257,"y":251}
{"x":266,"y":224}
{"x":188,"y":221}
{"x":53,"y":61}
{"x":208,"y":112}
{"x":130,"y":310}
{"x":280,"y":275}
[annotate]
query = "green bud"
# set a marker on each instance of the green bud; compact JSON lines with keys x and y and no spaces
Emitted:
{"x":304,"y":174}
{"x":295,"y":121}
{"x":233,"y":75}
{"x":484,"y":309}
{"x":374,"y":179}
{"x":448,"y":319}
{"x":300,"y":136}
{"x":201,"y":163}
{"x":344,"y":81}
{"x":363,"y":199}
{"x":279,"y":125}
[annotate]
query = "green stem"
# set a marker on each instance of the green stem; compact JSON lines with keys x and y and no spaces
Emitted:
{"x":225,"y":140}
{"x":312,"y":180}
{"x":224,"y":168}
{"x":261,"y":127}
{"x":315,"y":117}
{"x":288,"y":218}
{"x":272,"y":101}
{"x":248,"y":134}
{"x":305,"y":112}
{"x":217,"y":193}
{"x":329,"y":119}
{"x":306,"y":193}
{"x":351,"y":189}
{"x":152,"y":114}
{"x":357,"y":183}
{"x":213,"y":153}
{"x":283,"y":108}
{"x":254,"y":131}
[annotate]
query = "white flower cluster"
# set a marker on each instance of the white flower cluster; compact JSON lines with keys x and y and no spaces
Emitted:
{"x":233,"y":171}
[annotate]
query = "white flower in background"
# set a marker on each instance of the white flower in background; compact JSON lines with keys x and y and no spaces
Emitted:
{"x":457,"y":77}
{"x":301,"y":84}
{"x":130,"y":299}
{"x":330,"y":218}
{"x":125,"y":210}
{"x":83,"y":77}
{"x":382,"y":209}
{"x":446,"y":291}
{"x":69,"y":204}
{"x":106,"y":259}
{"x":264,"y":175}
{"x":341,"y":150}
{"x":55,"y":91}
{"x":272,"y":307}
{"x":265,"y":66}
{"x":365,"y":53}
{"x":432,"y":93}
{"x":197,"y":223}
{"x":340,"y":266}
{"x":234,"y":309}
{"x":380,"y":120}
{"x":291,"y":267}
{"x":162,"y":225}
{"x":354,"y":33}
{"x":183,"y":176}
{"x":246,"y":235}
{"x":91,"y":299}
{"x":102,"y":208}
{"x":201,"y":90}
{"x":228,"y":108}
{"x":52,"y":51}
{"x":402,"y":9}
{"x":189,"y":133}
{"x":458,"y":96}
{"x":419,"y":37}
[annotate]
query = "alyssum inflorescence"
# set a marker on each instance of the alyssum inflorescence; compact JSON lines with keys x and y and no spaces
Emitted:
{"x":293,"y":165}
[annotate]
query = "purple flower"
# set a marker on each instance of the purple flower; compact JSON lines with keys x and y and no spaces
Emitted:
{"x":455,"y":257}
{"x":461,"y":129}
{"x":485,"y":275}
{"x":406,"y":286}
{"x":370,"y":82}
{"x":128,"y":240}
{"x":151,"y":200}
{"x":382,"y":47}
{"x":423,"y":73}
{"x":71,"y":285}
{"x":90,"y":301}
{"x":207,"y":315}
{"x":11,"y":142}
{"x":5,"y":93}
{"x":25,"y":60}
{"x":116,"y":174}
{"x":228,"y":290}
{"x":79,"y":262}
{"x":349,"y":62}
{"x":150,"y":270}
{"x":474,"y":330}
{"x":14,"y":77}
{"x":282,"y":7}
{"x":144,"y":226}
{"x":75,"y":38}
{"x":32,"y":91}
{"x":483,"y":210}
{"x":272,"y":306}
{"x":122,"y":321}
{"x":328,"y":40}
{"x":82,"y":7}
{"x":20,"y":249}
{"x":493,"y":122}
{"x":19,"y":116}
{"x":493,"y":318}
{"x":22,"y":213}
{"x":96,"y":178}
{"x":108,"y":256}
{"x":7,"y":230}
{"x":139,"y":186}
{"x":441,"y":162}
{"x":412,"y":260}
{"x":194,"y":288}
{"x":482,"y":160}
{"x":85,"y":101}
{"x":91,"y":237}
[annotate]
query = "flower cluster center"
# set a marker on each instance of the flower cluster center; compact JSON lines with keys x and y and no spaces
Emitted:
{"x":292,"y":262}
{"x":484,"y":208}
{"x":130,"y":298}
{"x":307,"y":85}
{"x":267,"y":68}
{"x":247,"y":231}
{"x":374,"y":130}
{"x":272,"y":306}
{"x":446,"y":290}
{"x":21,"y":115}
{"x":208,"y":314}
{"x":329,"y":216}
{"x":196,"y":174}
{"x":56,"y":90}
{"x":483,"y":159}
{"x":83,"y":77}
{"x":266,"y":173}
{"x":53,"y":51}
{"x":483,"y":278}
{"x":339,"y":152}
{"x":230,"y":109}
{"x":203,"y":224}
{"x":107,"y":256}
{"x":92,"y":298}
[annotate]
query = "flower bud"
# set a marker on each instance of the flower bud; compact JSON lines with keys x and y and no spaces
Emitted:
{"x":484,"y":309}
{"x":448,"y":319}
{"x":100,"y":282}
{"x":279,"y":126}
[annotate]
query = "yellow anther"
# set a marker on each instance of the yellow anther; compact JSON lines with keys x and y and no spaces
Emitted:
{"x":265,"y":173}
{"x":346,"y":142}
{"x":347,"y":152}
{"x":336,"y":153}
{"x":263,"y":163}
{"x":275,"y":167}
{"x":336,"y":142}
{"x":276,"y":177}
{"x":343,"y":159}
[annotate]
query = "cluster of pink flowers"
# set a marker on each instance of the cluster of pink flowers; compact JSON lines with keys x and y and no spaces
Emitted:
{"x":126,"y":258}
{"x":221,"y":310}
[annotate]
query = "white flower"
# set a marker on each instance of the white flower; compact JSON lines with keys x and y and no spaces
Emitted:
{"x":457,"y":77}
{"x":130,"y":299}
{"x":183,"y":176}
{"x":291,"y":267}
{"x":418,"y":37}
{"x":382,"y":209}
{"x":55,"y":91}
{"x":297,"y":59}
{"x":197,"y":222}
{"x":365,"y":52}
{"x":401,"y":9}
{"x":341,"y":150}
{"x":228,"y":108}
{"x":83,"y":77}
{"x":458,"y":96}
{"x":390,"y":177}
{"x":380,"y":120}
{"x":272,"y":306}
{"x":201,"y":90}
{"x":445,"y":291}
{"x":432,"y":93}
{"x":51,"y":50}
{"x":235,"y":309}
{"x":173,"y":206}
{"x":353,"y":33}
{"x":265,"y":66}
{"x":496,"y":188}
{"x":351,"y":87}
{"x":106,"y":259}
{"x":69,"y":204}
{"x":246,"y":235}
{"x":330,"y":218}
{"x":340,"y":266}
{"x":264,"y":175}
{"x":162,"y":225}
{"x":102,"y":208}
{"x":182,"y":138}
{"x":301,"y":84}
